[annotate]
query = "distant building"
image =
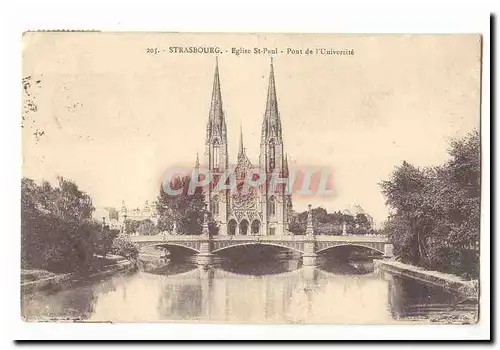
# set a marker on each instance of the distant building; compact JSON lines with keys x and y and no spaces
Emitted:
{"x":148,"y":211}
{"x":115,"y":219}
{"x":107,"y":216}
{"x":355,"y":209}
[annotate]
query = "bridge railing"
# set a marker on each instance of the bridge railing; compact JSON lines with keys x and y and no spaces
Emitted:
{"x":298,"y":238}
{"x":352,"y":238}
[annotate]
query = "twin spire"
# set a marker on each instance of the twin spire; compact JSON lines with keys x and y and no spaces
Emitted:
{"x":241,"y":151}
{"x":216,"y":126}
{"x":271,"y":125}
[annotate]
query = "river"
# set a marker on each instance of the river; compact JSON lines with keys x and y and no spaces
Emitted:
{"x":272,"y":291}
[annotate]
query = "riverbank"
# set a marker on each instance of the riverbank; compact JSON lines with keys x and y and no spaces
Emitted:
{"x":468,"y":289}
{"x":35,"y":280}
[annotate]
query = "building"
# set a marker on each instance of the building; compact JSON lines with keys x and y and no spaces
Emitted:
{"x":258,"y":212}
{"x":148,"y":211}
{"x":356,"y":209}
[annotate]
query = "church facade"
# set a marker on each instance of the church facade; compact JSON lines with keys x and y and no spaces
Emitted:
{"x":263,"y":210}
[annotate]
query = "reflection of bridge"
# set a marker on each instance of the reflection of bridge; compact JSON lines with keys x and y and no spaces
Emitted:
{"x":302,"y":273}
{"x":296,"y":296}
{"x":308,"y":245}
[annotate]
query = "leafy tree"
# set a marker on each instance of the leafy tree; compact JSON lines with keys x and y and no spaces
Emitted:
{"x":298,"y":223}
{"x":362,"y":221}
{"x":131,"y":226}
{"x":146,"y":227}
{"x":57,"y":230}
{"x":125,"y":248}
{"x":185,"y":209}
{"x":104,"y":238}
{"x":325,"y":223}
{"x":435,"y":221}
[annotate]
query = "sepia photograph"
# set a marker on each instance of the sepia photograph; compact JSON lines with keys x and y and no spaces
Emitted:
{"x":251,"y":178}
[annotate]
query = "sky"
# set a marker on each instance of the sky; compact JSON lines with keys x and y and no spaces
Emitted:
{"x":114,"y":116}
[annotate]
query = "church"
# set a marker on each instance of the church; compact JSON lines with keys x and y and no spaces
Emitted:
{"x":261,"y":211}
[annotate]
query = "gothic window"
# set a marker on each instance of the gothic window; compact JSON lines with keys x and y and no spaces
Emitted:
{"x":255,"y":227}
{"x":272,"y":206}
{"x":243,"y":227}
{"x":272,"y":155}
{"x":216,"y":155}
{"x":231,"y":226}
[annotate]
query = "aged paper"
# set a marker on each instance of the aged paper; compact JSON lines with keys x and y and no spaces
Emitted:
{"x":250,"y":178}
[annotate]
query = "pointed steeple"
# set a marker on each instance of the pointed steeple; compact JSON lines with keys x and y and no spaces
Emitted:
{"x":197,"y":163}
{"x":241,"y":151}
{"x":272,"y":123}
{"x":216,"y":106}
{"x":216,"y":125}
{"x":285,"y":166}
{"x":272,"y":103}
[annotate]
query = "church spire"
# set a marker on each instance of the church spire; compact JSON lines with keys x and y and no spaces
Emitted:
{"x":272,"y":123}
{"x":216,"y":125}
{"x":216,"y":106}
{"x":241,"y":151}
{"x":285,"y":166}
{"x":197,"y":163}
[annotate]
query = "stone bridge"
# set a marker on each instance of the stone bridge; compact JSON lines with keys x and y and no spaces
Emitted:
{"x":308,"y":245}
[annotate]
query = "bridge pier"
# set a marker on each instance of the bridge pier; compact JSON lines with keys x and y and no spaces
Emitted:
{"x":310,"y":273}
{"x":309,"y":258}
{"x":205,"y":256}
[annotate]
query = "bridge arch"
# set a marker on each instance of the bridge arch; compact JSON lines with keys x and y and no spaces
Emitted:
{"x":352,"y":245}
{"x":168,"y":244}
{"x":257,"y":244}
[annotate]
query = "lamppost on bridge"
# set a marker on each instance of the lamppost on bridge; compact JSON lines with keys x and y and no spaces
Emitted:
{"x":309,"y":256}
{"x":309,"y":227}
{"x":204,"y":257}
{"x":344,"y":227}
{"x":205,"y":232}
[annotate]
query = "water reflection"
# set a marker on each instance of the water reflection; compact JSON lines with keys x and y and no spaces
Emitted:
{"x":249,"y":292}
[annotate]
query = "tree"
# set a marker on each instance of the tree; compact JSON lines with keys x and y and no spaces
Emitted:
{"x":57,"y":230}
{"x":125,"y":248}
{"x":324,"y":223}
{"x":404,"y":193}
{"x":146,"y":227}
{"x":131,"y":226}
{"x":298,"y":223}
{"x":362,"y":221}
{"x":104,"y":238}
{"x":435,"y":221}
{"x":185,"y":209}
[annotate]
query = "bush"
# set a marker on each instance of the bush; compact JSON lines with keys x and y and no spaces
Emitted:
{"x":125,"y":248}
